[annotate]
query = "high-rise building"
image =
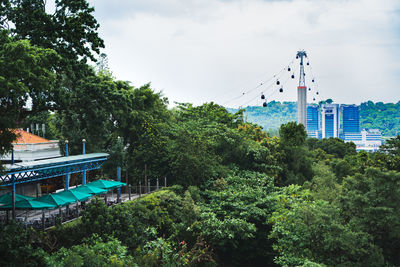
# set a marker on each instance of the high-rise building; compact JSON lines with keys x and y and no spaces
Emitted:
{"x":330,"y":120}
{"x":351,"y":119}
{"x":312,"y":118}
{"x":365,"y":139}
{"x":313,"y":121}
{"x":350,"y":131}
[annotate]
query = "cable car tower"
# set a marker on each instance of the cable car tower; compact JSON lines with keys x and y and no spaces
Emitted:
{"x":302,"y":92}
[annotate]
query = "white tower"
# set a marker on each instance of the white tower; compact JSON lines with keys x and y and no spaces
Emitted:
{"x":302,"y":92}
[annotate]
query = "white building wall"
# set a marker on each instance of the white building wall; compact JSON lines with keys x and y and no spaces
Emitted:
{"x":334,"y":110}
{"x":302,"y":105}
{"x":31,"y":152}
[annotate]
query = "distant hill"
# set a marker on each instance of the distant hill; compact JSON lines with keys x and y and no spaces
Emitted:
{"x":385,"y":117}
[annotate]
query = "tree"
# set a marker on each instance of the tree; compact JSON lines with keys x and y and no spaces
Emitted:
{"x":292,"y":134}
{"x":143,"y":120}
{"x":191,"y":160}
{"x":59,"y":46}
{"x":71,"y":30}
{"x":253,"y":131}
{"x":160,"y":252}
{"x":314,"y":231}
{"x":118,"y":158}
{"x":90,"y":114}
{"x":26,"y":72}
{"x":369,"y":202}
{"x":205,"y":141}
{"x":324,"y":185}
{"x":234,"y":218}
{"x":18,"y":247}
{"x":294,"y":160}
{"x":392,"y":146}
{"x":384,"y":117}
{"x":93,"y":252}
{"x":45,"y":118}
{"x":342,"y":168}
{"x":334,"y":146}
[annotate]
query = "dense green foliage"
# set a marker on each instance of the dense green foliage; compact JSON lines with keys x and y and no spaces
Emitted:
{"x":272,"y":116}
{"x":339,"y":211}
{"x":92,"y":252}
{"x":19,"y":246}
{"x":382,"y":116}
{"x":238,"y":197}
{"x":26,"y":72}
{"x":43,"y":59}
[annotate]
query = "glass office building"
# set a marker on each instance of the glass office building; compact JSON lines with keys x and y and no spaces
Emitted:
{"x":330,"y":120}
{"x":329,"y":125}
{"x":351,"y":119}
{"x":312,"y":118}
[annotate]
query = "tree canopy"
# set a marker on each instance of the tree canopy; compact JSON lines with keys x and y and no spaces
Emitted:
{"x":237,"y":196}
{"x":27,"y":72}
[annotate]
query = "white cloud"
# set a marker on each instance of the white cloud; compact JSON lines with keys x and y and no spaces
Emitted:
{"x":209,"y":50}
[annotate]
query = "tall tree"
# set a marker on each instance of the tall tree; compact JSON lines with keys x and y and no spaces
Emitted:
{"x":26,"y":71}
{"x":90,"y":114}
{"x":295,"y":159}
{"x":370,"y":202}
{"x":70,"y":30}
{"x":29,"y":69}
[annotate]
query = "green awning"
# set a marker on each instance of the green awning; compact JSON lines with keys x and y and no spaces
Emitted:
{"x":56,"y":199}
{"x":7,"y":198}
{"x":106,"y":184}
{"x":29,"y":204}
{"x":80,"y":196}
{"x":90,"y":190}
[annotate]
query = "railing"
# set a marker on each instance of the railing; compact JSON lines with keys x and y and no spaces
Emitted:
{"x":39,"y":173}
{"x":43,"y":220}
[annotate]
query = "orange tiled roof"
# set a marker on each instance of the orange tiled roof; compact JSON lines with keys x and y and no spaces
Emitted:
{"x":23,"y":137}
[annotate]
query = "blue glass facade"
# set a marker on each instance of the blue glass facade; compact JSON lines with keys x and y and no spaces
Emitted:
{"x":329,"y":125}
{"x":312,"y":118}
{"x":351,"y":119}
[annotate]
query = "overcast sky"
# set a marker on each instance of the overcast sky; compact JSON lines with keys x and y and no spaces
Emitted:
{"x":215,"y":50}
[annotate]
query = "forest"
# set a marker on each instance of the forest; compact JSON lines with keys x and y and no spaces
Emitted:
{"x":382,"y":116}
{"x":237,"y":196}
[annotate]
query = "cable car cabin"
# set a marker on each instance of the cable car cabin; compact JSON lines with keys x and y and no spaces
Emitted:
{"x":312,"y":80}
{"x":281,"y":90}
{"x":264,"y":104}
{"x":317,"y":93}
{"x":288,"y":69}
{"x":262,"y":96}
{"x":292,"y":76}
{"x":308,"y":63}
{"x":278,"y":82}
{"x":309,"y":89}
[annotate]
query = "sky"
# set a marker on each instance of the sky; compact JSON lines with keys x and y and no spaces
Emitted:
{"x":232,"y":51}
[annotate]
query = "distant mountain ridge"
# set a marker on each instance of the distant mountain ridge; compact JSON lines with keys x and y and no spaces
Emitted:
{"x":382,"y":116}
